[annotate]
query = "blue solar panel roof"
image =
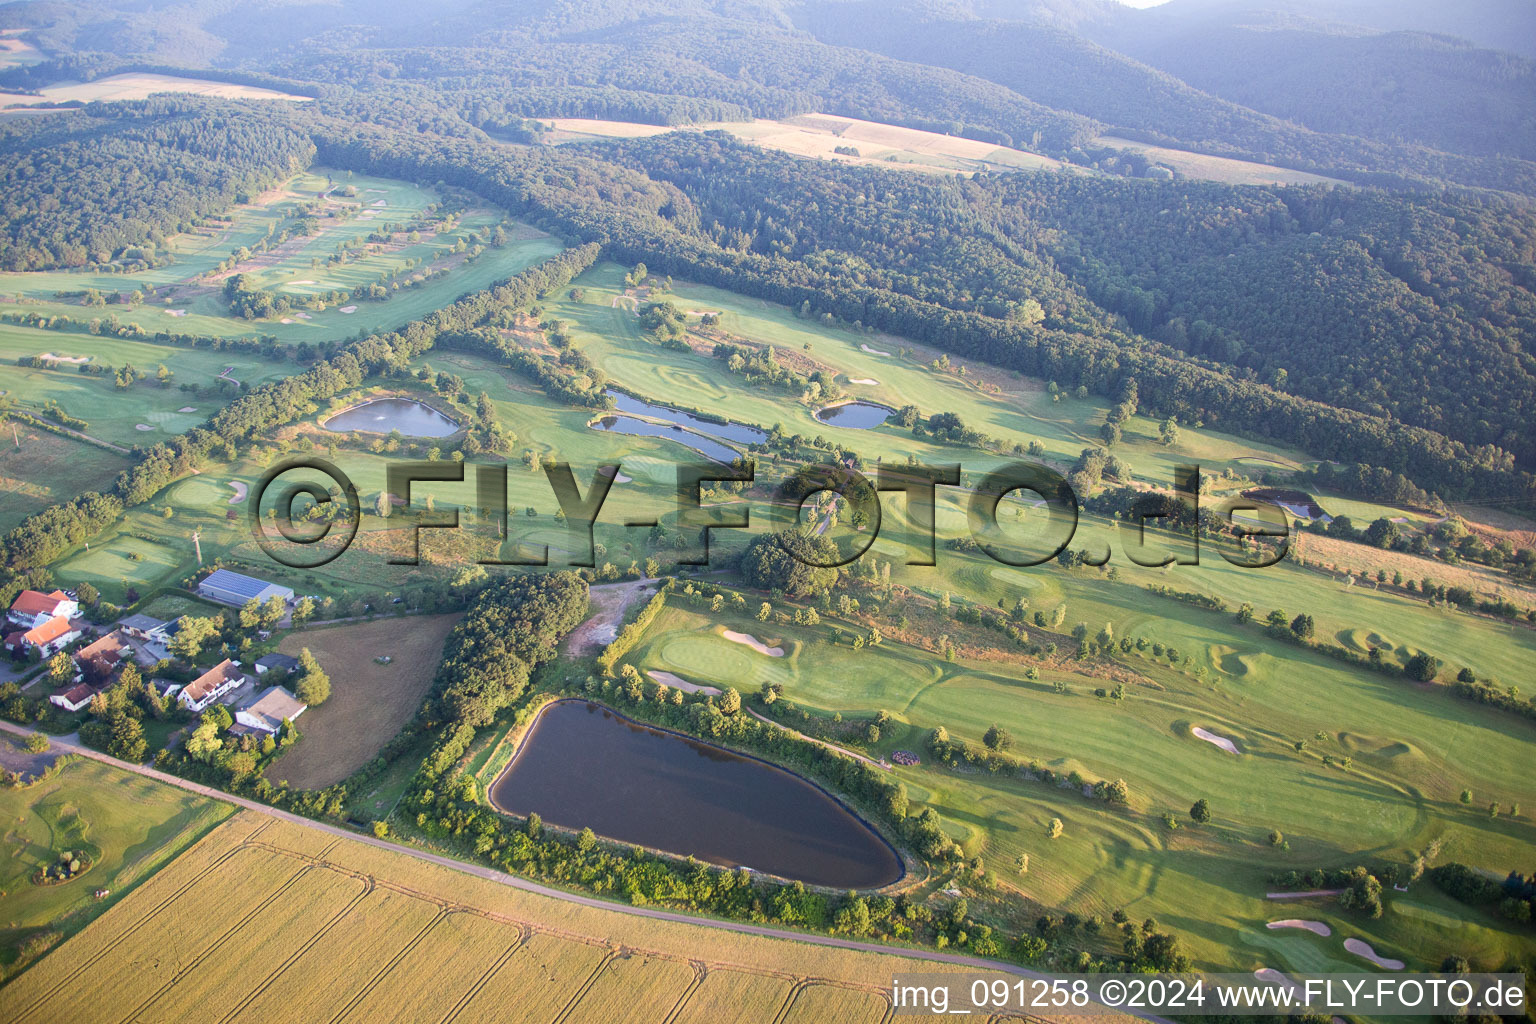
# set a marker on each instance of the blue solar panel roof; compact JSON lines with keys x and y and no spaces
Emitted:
{"x":235,"y":583}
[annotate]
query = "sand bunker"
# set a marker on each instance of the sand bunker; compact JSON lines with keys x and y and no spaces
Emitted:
{"x":187,"y":408}
{"x":64,"y":359}
{"x":682,"y":684}
{"x":305,"y":281}
{"x":1315,"y":927}
{"x":753,"y":642}
{"x":379,"y":190}
{"x":303,"y":316}
{"x":1363,"y":949}
{"x":349,"y":309}
{"x":286,"y":320}
{"x":1220,"y":741}
{"x":862,"y":380}
{"x":142,"y":426}
{"x":176,"y":312}
{"x":381,"y":203}
{"x":872,"y":351}
{"x":239,"y":492}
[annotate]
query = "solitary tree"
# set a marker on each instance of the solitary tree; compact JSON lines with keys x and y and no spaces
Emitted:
{"x":1200,"y":813}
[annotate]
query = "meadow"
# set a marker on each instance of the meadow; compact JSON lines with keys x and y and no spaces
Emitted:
{"x":185,"y":296}
{"x":822,"y":135}
{"x":128,"y":827}
{"x":39,"y":468}
{"x":369,"y":702}
{"x":270,"y":918}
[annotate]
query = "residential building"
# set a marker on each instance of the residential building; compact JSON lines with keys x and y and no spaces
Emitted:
{"x":74,"y":698}
{"x":211,"y":685}
{"x":279,"y":663}
{"x":267,"y":712}
{"x":52,"y":636}
{"x":233,"y":588}
{"x":101,"y":658}
{"x":33,"y":608}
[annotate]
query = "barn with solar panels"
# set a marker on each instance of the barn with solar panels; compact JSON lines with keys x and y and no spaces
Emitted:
{"x":232,"y":588}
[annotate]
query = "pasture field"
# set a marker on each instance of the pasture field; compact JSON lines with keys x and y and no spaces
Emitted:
{"x":186,"y":295}
{"x":820,"y":135}
{"x":1226,"y":170}
{"x":138,"y":85}
{"x":47,"y":468}
{"x":369,"y":702}
{"x":128,"y":827}
{"x":269,"y":918}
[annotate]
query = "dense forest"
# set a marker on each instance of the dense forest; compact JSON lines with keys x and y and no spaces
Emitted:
{"x":1363,"y":326}
{"x":80,"y":189}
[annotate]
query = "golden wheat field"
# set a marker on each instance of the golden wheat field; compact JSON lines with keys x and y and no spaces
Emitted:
{"x":265,"y":920}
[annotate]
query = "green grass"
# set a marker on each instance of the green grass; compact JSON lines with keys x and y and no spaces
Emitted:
{"x":131,"y":826}
{"x":47,"y":469}
{"x":199,"y":253}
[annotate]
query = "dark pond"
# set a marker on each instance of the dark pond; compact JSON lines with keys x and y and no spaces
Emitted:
{"x":583,"y":766}
{"x":858,"y":415}
{"x":382,"y":415}
{"x":706,"y":446}
{"x":741,"y":433}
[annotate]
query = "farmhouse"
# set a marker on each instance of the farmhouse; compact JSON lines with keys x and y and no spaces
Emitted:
{"x":74,"y":698}
{"x":211,"y":685}
{"x":101,"y":658}
{"x":53,"y":635}
{"x":279,"y":663}
{"x":232,"y":588}
{"x":268,"y":711}
{"x":33,"y":608}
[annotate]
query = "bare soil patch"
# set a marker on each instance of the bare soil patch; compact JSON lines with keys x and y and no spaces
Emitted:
{"x":369,"y":702}
{"x":609,"y":602}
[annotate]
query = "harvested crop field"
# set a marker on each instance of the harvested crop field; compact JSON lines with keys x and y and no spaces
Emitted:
{"x":255,"y":923}
{"x":369,"y":702}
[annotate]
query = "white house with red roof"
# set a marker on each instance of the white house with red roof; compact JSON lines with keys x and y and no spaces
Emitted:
{"x":53,"y":635}
{"x":33,"y":607}
{"x":74,"y":698}
{"x":211,"y":685}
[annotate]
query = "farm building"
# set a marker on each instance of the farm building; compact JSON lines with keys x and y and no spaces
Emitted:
{"x":233,"y":588}
{"x":74,"y":698}
{"x":279,"y":663}
{"x":33,"y":608}
{"x":53,"y":635}
{"x":268,"y":711}
{"x":211,"y":685}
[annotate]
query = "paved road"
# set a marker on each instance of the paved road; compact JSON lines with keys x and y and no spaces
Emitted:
{"x":66,"y":745}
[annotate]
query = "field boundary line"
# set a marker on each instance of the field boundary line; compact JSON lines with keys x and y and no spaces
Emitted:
{"x":394,"y":961}
{"x":584,"y":988}
{"x":293,"y":958}
{"x":485,"y":977}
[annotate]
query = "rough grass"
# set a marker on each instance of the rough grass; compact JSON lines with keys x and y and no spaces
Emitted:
{"x":48,"y":469}
{"x":218,"y":936}
{"x":369,"y":702}
{"x":131,"y":825}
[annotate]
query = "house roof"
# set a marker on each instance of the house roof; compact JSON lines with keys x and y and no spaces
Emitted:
{"x":203,"y":685}
{"x":274,"y":705}
{"x":76,"y":694}
{"x":33,"y":602}
{"x":112,"y":647}
{"x":48,"y":632}
{"x":282,"y":662}
{"x":238,"y":584}
{"x":143,"y":623}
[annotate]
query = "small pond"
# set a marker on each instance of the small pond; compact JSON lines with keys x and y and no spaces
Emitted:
{"x":741,"y":433}
{"x":382,"y":415}
{"x":581,"y":765}
{"x":706,"y":446}
{"x":858,"y":415}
